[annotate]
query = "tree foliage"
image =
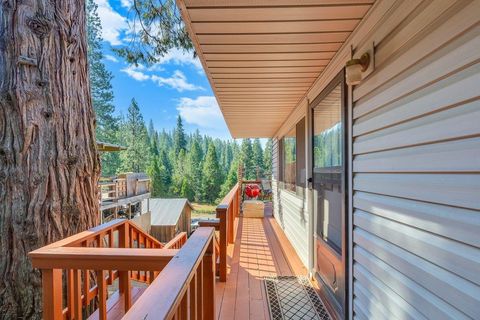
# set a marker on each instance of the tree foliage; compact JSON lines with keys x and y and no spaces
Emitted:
{"x":157,"y":27}
{"x":246,"y":158}
{"x":267,"y":159}
{"x":211,"y":180}
{"x":101,"y":89}
{"x":192,"y":166}
{"x":179,"y":141}
{"x":257,"y":154}
{"x":134,"y":135}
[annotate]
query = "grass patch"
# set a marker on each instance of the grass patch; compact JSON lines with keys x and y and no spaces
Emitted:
{"x":203,"y":210}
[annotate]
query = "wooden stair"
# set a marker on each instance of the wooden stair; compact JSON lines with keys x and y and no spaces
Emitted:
{"x":115,"y":304}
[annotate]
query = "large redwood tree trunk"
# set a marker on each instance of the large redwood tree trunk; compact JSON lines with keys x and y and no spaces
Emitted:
{"x":49,"y":166}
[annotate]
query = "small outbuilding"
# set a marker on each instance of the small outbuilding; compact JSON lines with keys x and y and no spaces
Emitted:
{"x":169,"y":217}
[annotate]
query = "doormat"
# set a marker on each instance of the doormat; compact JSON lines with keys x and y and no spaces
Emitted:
{"x":293,"y":297}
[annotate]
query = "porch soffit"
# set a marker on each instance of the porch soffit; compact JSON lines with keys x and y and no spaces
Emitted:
{"x":262,"y":56}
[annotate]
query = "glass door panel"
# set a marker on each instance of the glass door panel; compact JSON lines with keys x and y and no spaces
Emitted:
{"x":329,"y":195}
{"x":328,"y":167}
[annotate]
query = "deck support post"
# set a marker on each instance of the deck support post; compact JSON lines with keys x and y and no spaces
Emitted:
{"x":222,"y":215}
{"x":52,"y":294}
{"x":209,"y":282}
{"x":124,"y":276}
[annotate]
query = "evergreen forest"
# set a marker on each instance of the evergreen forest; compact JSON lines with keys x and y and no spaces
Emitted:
{"x":180,"y":164}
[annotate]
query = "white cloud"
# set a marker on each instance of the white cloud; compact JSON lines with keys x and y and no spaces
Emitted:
{"x":113,"y":24}
{"x":181,"y":57}
{"x":177,"y":81}
{"x":202,"y":111}
{"x":126,"y":3}
{"x":136,"y":73}
{"x":109,"y":57}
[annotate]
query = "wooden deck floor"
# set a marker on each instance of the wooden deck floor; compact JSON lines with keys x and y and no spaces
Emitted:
{"x":261,"y":249}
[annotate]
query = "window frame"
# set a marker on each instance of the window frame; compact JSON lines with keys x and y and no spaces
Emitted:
{"x":298,"y":183}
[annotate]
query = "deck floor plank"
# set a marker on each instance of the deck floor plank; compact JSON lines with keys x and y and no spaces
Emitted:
{"x":261,"y":249}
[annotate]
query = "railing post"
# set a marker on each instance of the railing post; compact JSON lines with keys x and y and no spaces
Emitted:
{"x":222,"y":215}
{"x":200,"y":297}
{"x":77,"y":294}
{"x":239,"y":199}
{"x":102,"y":295}
{"x":52,"y":294}
{"x":231,"y":219}
{"x":193,"y":298}
{"x":209,"y":282}
{"x":124,"y":277}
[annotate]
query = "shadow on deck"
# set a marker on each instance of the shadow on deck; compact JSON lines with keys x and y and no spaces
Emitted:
{"x":261,"y":249}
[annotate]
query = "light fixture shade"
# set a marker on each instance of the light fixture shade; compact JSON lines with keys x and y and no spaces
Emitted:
{"x":353,"y":74}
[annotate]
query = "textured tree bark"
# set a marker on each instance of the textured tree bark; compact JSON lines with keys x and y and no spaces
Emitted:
{"x":49,"y":165}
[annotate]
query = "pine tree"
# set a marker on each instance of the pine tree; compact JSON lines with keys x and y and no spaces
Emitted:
{"x":181,"y":185}
{"x":211,"y":180}
{"x":246,"y":157}
{"x":164,"y":140}
{"x":158,"y":175}
{"x":257,"y":156}
{"x":165,"y":161}
{"x":151,"y":130}
{"x":194,"y":172}
{"x":136,"y":157}
{"x":101,"y":90}
{"x":160,"y":28}
{"x":267,"y":159}
{"x":179,"y":141}
{"x":153,"y":141}
{"x":231,"y":179}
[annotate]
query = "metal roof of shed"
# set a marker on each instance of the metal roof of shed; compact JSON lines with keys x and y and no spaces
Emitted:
{"x":165,"y":212}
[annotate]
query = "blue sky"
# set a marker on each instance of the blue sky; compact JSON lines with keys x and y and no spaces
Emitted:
{"x":175,"y":85}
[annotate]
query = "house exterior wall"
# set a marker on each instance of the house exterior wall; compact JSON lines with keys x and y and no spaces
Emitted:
{"x":415,"y":143}
{"x":416,"y":165}
{"x":291,"y":213}
{"x":291,"y":210}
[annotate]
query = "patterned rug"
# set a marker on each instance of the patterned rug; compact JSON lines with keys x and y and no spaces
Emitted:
{"x":293,"y":297}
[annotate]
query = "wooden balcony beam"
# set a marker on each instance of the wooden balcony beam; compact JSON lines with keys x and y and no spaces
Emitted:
{"x":122,"y":259}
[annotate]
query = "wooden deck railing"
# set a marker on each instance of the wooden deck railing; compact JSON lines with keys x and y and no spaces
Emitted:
{"x":177,"y":242}
{"x":185,"y":289}
{"x":89,"y":261}
{"x":227,"y":211}
{"x":120,"y":188}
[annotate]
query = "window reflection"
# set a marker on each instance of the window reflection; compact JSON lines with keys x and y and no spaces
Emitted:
{"x":328,"y":167}
{"x":327,"y":139}
{"x":290,"y":159}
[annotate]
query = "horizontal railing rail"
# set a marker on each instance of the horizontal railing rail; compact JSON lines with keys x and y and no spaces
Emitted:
{"x":90,"y":261}
{"x":185,"y":289}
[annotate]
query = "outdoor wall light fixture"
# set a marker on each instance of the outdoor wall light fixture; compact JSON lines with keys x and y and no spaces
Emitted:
{"x":354,"y":69}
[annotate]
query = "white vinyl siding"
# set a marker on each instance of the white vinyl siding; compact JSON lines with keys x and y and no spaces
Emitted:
{"x":416,"y":168}
{"x":291,"y":213}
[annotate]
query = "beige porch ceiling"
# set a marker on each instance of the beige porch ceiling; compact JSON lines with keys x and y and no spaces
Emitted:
{"x":262,"y":56}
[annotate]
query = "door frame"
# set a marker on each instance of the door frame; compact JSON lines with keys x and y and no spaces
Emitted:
{"x":346,"y":162}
